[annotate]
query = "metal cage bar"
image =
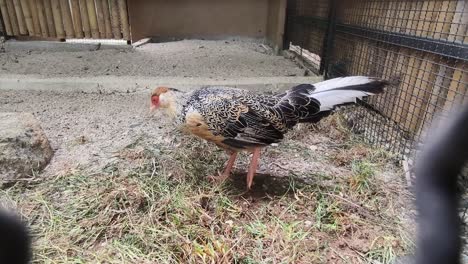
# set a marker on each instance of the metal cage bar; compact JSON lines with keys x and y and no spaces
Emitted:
{"x":420,"y":46}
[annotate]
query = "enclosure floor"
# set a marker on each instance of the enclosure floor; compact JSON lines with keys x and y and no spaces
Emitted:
{"x":345,"y":195}
{"x":187,"y":58}
{"x":109,"y":122}
{"x":353,"y":198}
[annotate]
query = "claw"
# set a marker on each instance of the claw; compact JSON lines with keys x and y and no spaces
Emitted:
{"x":227,"y":171}
{"x":220,"y":178}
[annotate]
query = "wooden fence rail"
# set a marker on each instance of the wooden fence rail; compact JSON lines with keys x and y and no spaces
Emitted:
{"x":98,"y":19}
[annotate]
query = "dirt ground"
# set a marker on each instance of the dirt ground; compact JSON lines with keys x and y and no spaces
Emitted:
{"x":187,"y":58}
{"x":332,"y":189}
{"x":121,"y":191}
{"x":86,"y":130}
{"x":125,"y":187}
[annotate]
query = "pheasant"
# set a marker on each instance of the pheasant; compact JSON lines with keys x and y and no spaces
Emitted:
{"x":240,"y":120}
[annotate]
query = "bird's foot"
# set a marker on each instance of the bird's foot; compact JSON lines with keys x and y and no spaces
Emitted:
{"x":218,"y":179}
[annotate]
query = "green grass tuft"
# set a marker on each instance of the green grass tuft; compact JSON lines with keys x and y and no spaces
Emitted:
{"x":165,"y":211}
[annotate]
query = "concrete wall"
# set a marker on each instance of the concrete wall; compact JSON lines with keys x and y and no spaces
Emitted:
{"x":198,"y":18}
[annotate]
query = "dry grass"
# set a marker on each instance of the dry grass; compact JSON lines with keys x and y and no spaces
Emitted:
{"x":155,"y":206}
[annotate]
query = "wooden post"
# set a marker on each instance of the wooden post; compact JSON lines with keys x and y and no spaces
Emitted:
{"x":42,"y":18}
{"x":436,"y":7}
{"x":442,"y":25}
{"x":100,"y":18}
{"x":107,"y":21}
{"x":365,"y":58}
{"x":35,"y":17}
{"x":75,"y":5}
{"x":57,"y":18}
{"x":20,"y":17}
{"x":409,"y":88}
{"x":418,"y":19}
{"x":13,"y":20}
{"x":357,"y":51}
{"x":424,"y":83}
{"x":384,"y":6}
{"x":6,"y":18}
{"x":92,"y":18}
{"x":412,"y":24}
{"x":456,"y":87}
{"x":278,"y":37}
{"x":115,"y":19}
{"x":465,"y":39}
{"x":459,"y":23}
{"x":390,"y":67}
{"x":401,"y":64}
{"x":85,"y":19}
{"x":426,"y":18}
{"x":459,"y":80}
{"x":390,"y":16}
{"x":438,"y":94}
{"x":67,"y":19}
{"x":27,"y":17}
{"x":124,"y":19}
{"x":50,"y":18}
{"x":399,"y":15}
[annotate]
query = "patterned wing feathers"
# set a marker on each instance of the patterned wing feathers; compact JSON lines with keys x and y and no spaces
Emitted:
{"x":232,"y":118}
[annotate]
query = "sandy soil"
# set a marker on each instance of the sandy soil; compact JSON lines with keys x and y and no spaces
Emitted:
{"x":97,"y":131}
{"x":84,"y":129}
{"x":342,"y":205}
{"x":187,"y":58}
{"x":89,"y":131}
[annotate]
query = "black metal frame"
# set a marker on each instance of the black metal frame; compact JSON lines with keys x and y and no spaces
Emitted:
{"x":329,"y":39}
{"x":2,"y":33}
{"x":359,"y":32}
{"x":438,"y":47}
{"x":443,"y":48}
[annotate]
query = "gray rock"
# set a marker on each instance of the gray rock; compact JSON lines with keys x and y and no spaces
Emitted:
{"x":24,"y":148}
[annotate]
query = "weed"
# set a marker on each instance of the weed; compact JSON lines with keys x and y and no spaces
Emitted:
{"x":161,"y":209}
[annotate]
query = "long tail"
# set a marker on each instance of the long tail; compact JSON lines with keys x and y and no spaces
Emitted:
{"x":339,"y":91}
{"x":310,"y":103}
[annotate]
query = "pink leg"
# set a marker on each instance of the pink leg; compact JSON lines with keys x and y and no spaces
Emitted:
{"x":253,"y":167}
{"x":230,"y":164}
{"x":227,"y":169}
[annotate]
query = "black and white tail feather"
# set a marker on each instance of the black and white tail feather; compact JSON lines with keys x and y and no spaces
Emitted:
{"x":318,"y":100}
{"x":340,"y":91}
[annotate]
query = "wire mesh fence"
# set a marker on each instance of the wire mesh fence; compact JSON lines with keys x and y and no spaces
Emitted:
{"x":307,"y":35}
{"x":420,"y":46}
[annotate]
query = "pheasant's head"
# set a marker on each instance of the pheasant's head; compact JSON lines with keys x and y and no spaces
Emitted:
{"x":163,"y":97}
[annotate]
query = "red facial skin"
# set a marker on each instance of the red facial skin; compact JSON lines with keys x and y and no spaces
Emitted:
{"x":154,"y":102}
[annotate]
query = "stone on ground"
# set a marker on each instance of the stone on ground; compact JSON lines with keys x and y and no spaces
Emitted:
{"x":24,"y":148}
